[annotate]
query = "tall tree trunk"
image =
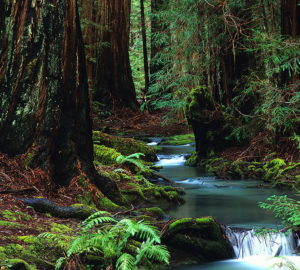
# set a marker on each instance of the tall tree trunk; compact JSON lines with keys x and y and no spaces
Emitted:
{"x":145,"y":52}
{"x":113,"y":82}
{"x":156,"y":28}
{"x":289,"y":18}
{"x":44,"y":110}
{"x":290,"y":27}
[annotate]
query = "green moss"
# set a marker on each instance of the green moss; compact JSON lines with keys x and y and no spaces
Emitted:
{"x":16,"y":215}
{"x":179,"y":139}
{"x":205,"y":220}
{"x":107,"y":204}
{"x":59,"y":228}
{"x":18,"y":264}
{"x":105,"y":155}
{"x":29,"y":239}
{"x":4,"y":223}
{"x":193,"y":160}
{"x":29,"y":159}
{"x":153,"y":211}
{"x":125,"y":146}
{"x":178,"y":222}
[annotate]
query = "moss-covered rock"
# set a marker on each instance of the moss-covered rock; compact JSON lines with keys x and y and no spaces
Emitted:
{"x":179,"y":139}
{"x":153,"y":212}
{"x":277,"y":171}
{"x":211,"y":125}
{"x":193,"y":160}
{"x":200,"y":238}
{"x":104,"y":155}
{"x":125,"y":146}
{"x":17,"y":264}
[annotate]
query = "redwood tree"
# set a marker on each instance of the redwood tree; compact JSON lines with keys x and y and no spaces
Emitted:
{"x":44,"y":110}
{"x":112,"y":79}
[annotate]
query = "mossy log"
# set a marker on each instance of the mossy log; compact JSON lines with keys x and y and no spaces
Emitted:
{"x":43,"y":205}
{"x":125,"y":146}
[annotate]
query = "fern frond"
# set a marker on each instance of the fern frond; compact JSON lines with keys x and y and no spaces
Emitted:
{"x":80,"y":245}
{"x":153,"y":252}
{"x":49,"y":236}
{"x":95,"y":215}
{"x":135,"y":155}
{"x":147,"y":232}
{"x":97,"y":219}
{"x":126,"y":262}
{"x":128,"y":225}
{"x":60,"y":261}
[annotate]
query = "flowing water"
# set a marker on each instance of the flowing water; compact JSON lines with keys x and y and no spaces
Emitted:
{"x":234,"y":203}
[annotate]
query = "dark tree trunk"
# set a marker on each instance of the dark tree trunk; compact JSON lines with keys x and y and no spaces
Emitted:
{"x":290,"y":27}
{"x":156,"y":28}
{"x":289,"y":18}
{"x":113,"y":82}
{"x":145,"y":52}
{"x":44,"y":108}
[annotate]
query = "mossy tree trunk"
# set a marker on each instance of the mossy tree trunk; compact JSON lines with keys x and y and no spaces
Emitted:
{"x":44,"y":110}
{"x":113,"y":83}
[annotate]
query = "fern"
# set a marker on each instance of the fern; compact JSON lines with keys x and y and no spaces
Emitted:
{"x":133,"y":158}
{"x":112,"y":239}
{"x":126,"y":262}
{"x":59,"y":263}
{"x":145,"y":231}
{"x":96,"y":219}
{"x":153,"y":252}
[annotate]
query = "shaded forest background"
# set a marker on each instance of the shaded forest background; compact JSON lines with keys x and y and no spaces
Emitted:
{"x":73,"y":71}
{"x":244,"y":55}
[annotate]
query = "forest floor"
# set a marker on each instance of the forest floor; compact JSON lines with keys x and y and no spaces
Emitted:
{"x":19,"y":182}
{"x":141,"y":124}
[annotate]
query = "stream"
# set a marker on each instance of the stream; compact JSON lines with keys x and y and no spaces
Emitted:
{"x":230,"y":202}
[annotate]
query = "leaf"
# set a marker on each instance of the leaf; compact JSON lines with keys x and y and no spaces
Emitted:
{"x":126,"y":262}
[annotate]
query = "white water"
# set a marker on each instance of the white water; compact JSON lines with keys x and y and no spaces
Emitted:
{"x":172,"y":160}
{"x":248,"y":243}
{"x":252,"y":251}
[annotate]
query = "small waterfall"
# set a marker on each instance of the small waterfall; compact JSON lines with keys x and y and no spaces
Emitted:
{"x":171,"y":160}
{"x":248,"y":243}
{"x":154,"y":141}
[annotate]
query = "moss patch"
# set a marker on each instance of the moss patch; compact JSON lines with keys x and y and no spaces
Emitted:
{"x":179,"y":139}
{"x":4,"y":223}
{"x":15,"y":215}
{"x":104,"y":155}
{"x":125,"y":146}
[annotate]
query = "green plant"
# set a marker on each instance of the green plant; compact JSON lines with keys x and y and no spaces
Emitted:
{"x":287,"y":209}
{"x":133,"y":158}
{"x":117,"y":242}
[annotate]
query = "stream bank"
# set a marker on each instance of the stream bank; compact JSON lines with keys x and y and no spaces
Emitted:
{"x":231,"y":202}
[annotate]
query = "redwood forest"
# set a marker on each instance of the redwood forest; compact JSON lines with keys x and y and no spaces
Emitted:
{"x":149,"y":134}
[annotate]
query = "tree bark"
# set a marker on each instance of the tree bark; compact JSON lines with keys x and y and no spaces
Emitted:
{"x":156,"y":27}
{"x":145,"y":51}
{"x":113,"y":79}
{"x":44,"y":110}
{"x":289,"y":18}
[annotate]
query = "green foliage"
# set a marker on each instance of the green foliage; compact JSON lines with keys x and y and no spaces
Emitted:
{"x":287,"y":209}
{"x":133,"y":159}
{"x":296,"y":138}
{"x":116,"y":242}
{"x":179,"y":139}
{"x":136,"y":45}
